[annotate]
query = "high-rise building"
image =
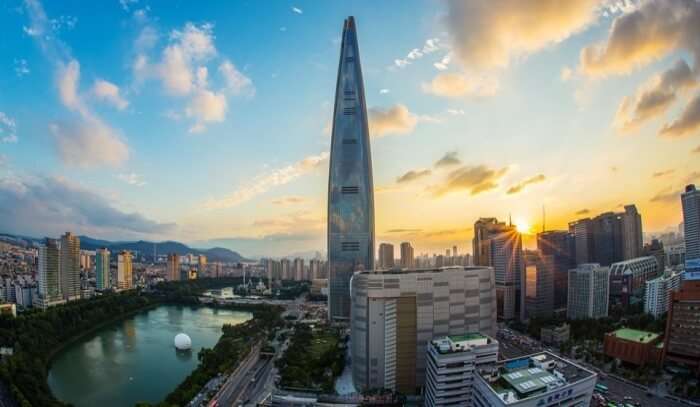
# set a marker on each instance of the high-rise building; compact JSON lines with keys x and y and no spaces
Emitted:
{"x":628,"y":279}
{"x":454,"y":251}
{"x":691,"y":228}
{"x":407,"y":255}
{"x":682,"y":338}
{"x":49,"y":277}
{"x":102,"y":281}
{"x":125,"y":277}
{"x":298,"y":269}
{"x":315,"y":269}
{"x":539,"y":287}
{"x":607,"y":238}
{"x":500,"y":246}
{"x":560,"y":245}
{"x":350,"y":188}
{"x":588,"y":291}
{"x":582,"y":230}
{"x":452,"y":364}
{"x":173,"y":268}
{"x":632,"y":233}
{"x":70,"y":266}
{"x":396,"y":313}
{"x":658,"y":291}
{"x":656,"y":249}
{"x":202,"y":266}
{"x":386,"y":255}
{"x":287,"y":269}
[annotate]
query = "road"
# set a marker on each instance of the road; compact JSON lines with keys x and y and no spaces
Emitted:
{"x":231,"y":392}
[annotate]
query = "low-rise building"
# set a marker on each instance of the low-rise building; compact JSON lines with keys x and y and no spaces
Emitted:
{"x":538,"y":380}
{"x":555,"y":334}
{"x":451,"y":363}
{"x":8,"y":309}
{"x":634,"y":346}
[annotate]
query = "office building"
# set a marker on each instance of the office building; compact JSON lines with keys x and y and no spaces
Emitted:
{"x":607,"y":238}
{"x":539,"y":380}
{"x":386,"y":256}
{"x":125,"y":277}
{"x":49,"y":276}
{"x":173,"y":267}
{"x":299,"y":269}
{"x":582,"y":230}
{"x":690,"y":200}
{"x":396,"y":313}
{"x":633,"y":346}
{"x":451,"y":365}
{"x":656,"y":250}
{"x":500,"y":246}
{"x":286,"y":269}
{"x":70,"y":266}
{"x":628,"y":279}
{"x":102,"y":275}
{"x":560,"y":245}
{"x":315,"y":269}
{"x":682,"y":338}
{"x":657,"y":293}
{"x":632,"y":233}
{"x":539,"y":287}
{"x":407,"y":255}
{"x":350,"y":188}
{"x":588,"y":291}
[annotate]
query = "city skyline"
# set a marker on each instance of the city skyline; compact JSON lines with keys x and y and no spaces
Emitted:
{"x":161,"y":129}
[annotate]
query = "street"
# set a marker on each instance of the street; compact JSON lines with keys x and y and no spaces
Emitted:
{"x":232,"y":390}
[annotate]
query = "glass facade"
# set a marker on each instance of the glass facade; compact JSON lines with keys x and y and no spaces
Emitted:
{"x":350,"y":189}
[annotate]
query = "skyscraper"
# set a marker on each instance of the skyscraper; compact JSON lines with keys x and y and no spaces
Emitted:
{"x":125,"y":278}
{"x":50,"y":272}
{"x":102,"y":269}
{"x":299,"y":269}
{"x":350,"y":188}
{"x":607,"y":238}
{"x":538,"y":287}
{"x":691,"y":229}
{"x":632,"y":234}
{"x":173,"y":270}
{"x":70,"y":266}
{"x":588,"y":291}
{"x":406,"y":255}
{"x":386,"y":255}
{"x":560,"y":245}
{"x":582,"y":230}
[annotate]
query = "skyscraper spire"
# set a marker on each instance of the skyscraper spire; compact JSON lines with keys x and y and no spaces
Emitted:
{"x":350,"y":188}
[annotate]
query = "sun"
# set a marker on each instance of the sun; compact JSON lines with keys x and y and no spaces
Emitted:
{"x":523,"y":226}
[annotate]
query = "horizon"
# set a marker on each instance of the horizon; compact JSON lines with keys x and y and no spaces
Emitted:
{"x":196,"y":125}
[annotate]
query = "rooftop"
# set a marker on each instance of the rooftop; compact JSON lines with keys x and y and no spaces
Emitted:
{"x":461,"y":343}
{"x":533,"y":375}
{"x":420,"y":270}
{"x":635,"y":335}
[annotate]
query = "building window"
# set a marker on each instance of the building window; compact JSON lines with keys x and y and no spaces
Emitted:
{"x":350,"y":246}
{"x":350,"y":190}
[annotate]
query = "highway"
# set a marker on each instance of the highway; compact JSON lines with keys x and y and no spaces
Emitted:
{"x":232,"y":391}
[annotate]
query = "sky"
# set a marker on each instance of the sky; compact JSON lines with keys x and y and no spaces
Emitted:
{"x":209,"y":122}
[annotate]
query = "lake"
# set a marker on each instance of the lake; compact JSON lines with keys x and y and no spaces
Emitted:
{"x":135,"y":360}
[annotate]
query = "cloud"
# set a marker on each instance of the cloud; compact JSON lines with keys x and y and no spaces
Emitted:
{"x":206,"y":106}
{"x":489,"y":33}
{"x":456,"y":85}
{"x":662,"y":173}
{"x":583,"y":212}
{"x":297,"y":10}
{"x":431,"y":45}
{"x":413,"y":175}
{"x":655,"y":97}
{"x":475,"y":179}
{"x":403,"y":231}
{"x":383,"y":91}
{"x":444,"y":63}
{"x":449,"y":159}
{"x":667,"y":196}
{"x":643,"y":35}
{"x":88,"y":143}
{"x":532,"y":180}
{"x":236,"y":82}
{"x":566,"y":74}
{"x":268,"y":180}
{"x":687,"y":123}
{"x":289,"y":200}
{"x":692,"y":177}
{"x":21,"y":68}
{"x":109,"y":93}
{"x":50,"y":206}
{"x":191,"y":46}
{"x":393,"y":120}
{"x":456,"y":112}
{"x":8,"y":129}
{"x":132,"y":179}
{"x":696,"y":150}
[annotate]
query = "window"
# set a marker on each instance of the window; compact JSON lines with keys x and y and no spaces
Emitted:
{"x":350,"y":246}
{"x":349,"y":111}
{"x":350,"y":190}
{"x":349,"y":141}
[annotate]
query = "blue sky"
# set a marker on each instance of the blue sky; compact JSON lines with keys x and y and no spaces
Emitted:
{"x":208,"y":122}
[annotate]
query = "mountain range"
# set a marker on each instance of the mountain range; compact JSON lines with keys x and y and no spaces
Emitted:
{"x":144,"y":248}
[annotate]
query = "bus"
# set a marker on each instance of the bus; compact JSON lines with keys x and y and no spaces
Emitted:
{"x":601,"y":388}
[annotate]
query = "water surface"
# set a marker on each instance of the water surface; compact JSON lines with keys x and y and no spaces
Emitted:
{"x":134,"y":359}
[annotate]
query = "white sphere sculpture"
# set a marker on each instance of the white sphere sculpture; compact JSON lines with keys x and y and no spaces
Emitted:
{"x":183,"y":342}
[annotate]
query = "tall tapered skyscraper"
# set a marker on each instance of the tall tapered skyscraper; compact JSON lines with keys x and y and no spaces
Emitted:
{"x":350,"y":188}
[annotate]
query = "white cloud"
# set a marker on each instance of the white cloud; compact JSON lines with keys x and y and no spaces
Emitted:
{"x":109,"y":93}
{"x":21,"y":68}
{"x":297,"y":10}
{"x":566,"y":74}
{"x":456,"y":112}
{"x":383,"y":91}
{"x":8,"y":129}
{"x":89,"y":143}
{"x":236,"y":82}
{"x":132,"y":179}
{"x":267,"y":181}
{"x":68,"y":78}
{"x":431,"y":45}
{"x":444,"y":63}
{"x":456,"y":85}
{"x":393,"y":120}
{"x":206,"y":106}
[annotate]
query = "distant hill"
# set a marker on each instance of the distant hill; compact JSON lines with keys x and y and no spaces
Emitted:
{"x":143,"y":247}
